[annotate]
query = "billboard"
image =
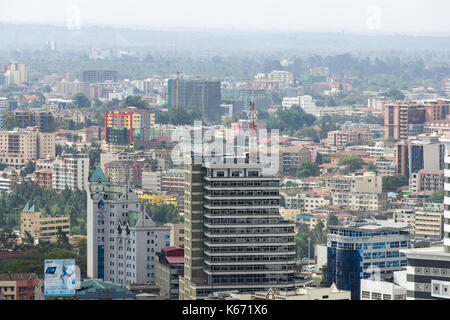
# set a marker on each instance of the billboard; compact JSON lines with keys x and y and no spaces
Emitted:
{"x":59,"y":278}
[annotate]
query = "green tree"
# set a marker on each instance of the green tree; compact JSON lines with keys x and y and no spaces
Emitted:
{"x":80,"y":100}
{"x":136,"y":101}
{"x":353,"y":163}
{"x":307,"y":169}
{"x":395,"y":94}
{"x":392,"y":183}
{"x":307,"y":132}
{"x":437,"y":196}
{"x":29,"y":168}
{"x":10,"y":122}
{"x":332,"y":220}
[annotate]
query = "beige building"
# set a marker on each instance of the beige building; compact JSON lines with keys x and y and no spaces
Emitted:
{"x":367,"y":182}
{"x":291,"y":157}
{"x":305,"y":201}
{"x":176,"y":234}
{"x":68,"y":88}
{"x":16,"y":72}
{"x":361,"y":201}
{"x":19,"y":146}
{"x":70,"y":171}
{"x":42,"y":228}
{"x":332,"y":293}
{"x":429,"y":221}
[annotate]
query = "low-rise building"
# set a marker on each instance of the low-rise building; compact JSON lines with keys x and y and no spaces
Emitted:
{"x":331,"y":293}
{"x":42,"y":228}
{"x":43,"y":178}
{"x":349,"y":137}
{"x":169,"y":267}
{"x":176,"y":234}
{"x":381,"y":290}
{"x":429,"y":221}
{"x":291,"y":157}
{"x":96,"y":289}
{"x":18,"y":286}
{"x":426,"y":180}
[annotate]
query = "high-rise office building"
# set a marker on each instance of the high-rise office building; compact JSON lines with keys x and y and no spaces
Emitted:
{"x":428,"y":271}
{"x":123,"y":241}
{"x":42,"y":119}
{"x":406,"y":118}
{"x":93,"y":76}
{"x":358,"y":250}
{"x":425,"y":152}
{"x":235,"y":238}
{"x":128,"y":128}
{"x":205,"y":95}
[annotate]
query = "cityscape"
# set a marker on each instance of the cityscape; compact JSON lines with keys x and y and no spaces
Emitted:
{"x":194,"y":164}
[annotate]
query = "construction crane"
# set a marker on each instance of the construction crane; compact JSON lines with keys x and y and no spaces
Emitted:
{"x":252,"y":115}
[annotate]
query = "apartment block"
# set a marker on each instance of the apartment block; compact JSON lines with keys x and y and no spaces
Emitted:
{"x":125,"y":172}
{"x":367,"y":182}
{"x":426,"y":180}
{"x":122,"y":239}
{"x":19,"y":146}
{"x":291,"y":158}
{"x":429,"y":221}
{"x":128,"y":128}
{"x":305,"y":201}
{"x":349,"y":137}
{"x":43,"y":178}
{"x":70,"y":171}
{"x":361,"y":201}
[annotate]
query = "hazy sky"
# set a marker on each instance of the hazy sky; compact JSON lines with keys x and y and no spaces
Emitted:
{"x":360,"y":16}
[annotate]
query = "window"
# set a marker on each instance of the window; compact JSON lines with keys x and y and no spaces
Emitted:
{"x":376,"y":296}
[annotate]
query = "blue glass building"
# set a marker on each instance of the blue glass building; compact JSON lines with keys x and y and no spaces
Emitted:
{"x":359,"y":250}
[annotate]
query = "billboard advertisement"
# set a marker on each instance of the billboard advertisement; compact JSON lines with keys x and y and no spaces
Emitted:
{"x":59,"y":278}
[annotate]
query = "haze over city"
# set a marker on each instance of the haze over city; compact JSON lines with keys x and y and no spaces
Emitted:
{"x":362,"y":16}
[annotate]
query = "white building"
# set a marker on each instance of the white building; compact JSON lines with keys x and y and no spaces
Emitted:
{"x":305,"y":102}
{"x":381,"y":290}
{"x":70,"y":171}
{"x":122,"y":239}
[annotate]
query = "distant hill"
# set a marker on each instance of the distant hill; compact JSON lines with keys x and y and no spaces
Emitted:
{"x":34,"y":37}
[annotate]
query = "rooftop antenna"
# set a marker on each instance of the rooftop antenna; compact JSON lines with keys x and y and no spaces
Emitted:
{"x":252,"y":116}
{"x":252,"y":133}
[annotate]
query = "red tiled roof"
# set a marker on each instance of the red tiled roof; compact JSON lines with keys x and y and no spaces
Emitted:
{"x":174,"y":251}
{"x":175,"y":259}
{"x":17,"y":276}
{"x":425,"y":171}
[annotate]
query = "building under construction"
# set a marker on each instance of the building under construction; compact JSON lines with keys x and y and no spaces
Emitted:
{"x":200,"y":93}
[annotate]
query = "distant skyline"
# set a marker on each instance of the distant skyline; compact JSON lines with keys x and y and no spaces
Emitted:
{"x":414,"y":17}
